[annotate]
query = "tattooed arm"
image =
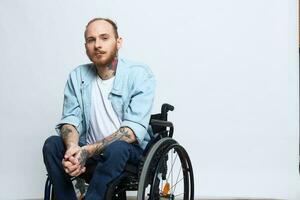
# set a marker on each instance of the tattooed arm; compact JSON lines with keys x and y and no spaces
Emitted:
{"x":124,"y":133}
{"x":69,"y":135}
{"x":74,"y":158}
{"x":74,"y":165}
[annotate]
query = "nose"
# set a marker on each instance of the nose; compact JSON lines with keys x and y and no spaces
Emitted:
{"x":98,"y":43}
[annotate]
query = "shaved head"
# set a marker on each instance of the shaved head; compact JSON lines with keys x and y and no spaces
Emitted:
{"x":111,"y":22}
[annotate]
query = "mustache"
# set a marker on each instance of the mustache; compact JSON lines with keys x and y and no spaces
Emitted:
{"x":99,"y":51}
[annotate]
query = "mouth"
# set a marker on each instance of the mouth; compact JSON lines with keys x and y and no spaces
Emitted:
{"x":99,"y":53}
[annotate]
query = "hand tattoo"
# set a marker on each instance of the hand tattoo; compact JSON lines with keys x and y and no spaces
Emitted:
{"x":83,"y":157}
{"x":124,"y":132}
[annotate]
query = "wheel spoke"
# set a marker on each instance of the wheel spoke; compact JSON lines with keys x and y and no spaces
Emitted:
{"x":178,"y":194}
{"x":177,"y":179}
{"x":176,"y":183}
{"x":162,"y":184}
{"x":172,"y":167}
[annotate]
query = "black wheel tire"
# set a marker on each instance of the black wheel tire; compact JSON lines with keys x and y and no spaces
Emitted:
{"x":160,"y":148}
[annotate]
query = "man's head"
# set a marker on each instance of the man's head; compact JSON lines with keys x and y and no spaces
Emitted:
{"x":102,"y":41}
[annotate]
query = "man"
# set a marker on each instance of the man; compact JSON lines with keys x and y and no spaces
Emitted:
{"x":106,"y":111}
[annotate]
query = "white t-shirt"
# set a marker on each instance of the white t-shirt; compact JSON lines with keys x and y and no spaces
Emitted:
{"x":104,"y":120}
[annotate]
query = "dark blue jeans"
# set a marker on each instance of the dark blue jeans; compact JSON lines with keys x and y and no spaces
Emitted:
{"x":100,"y":169}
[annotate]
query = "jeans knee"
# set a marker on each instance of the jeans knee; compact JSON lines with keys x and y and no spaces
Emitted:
{"x":117,"y":150}
{"x":52,"y":144}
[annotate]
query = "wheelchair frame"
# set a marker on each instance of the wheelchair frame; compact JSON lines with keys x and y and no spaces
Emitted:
{"x":153,"y":164}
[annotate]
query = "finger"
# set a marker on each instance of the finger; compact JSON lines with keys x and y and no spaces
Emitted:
{"x":73,"y":160}
{"x":82,"y":170}
{"x":66,"y":169}
{"x":66,"y":163}
{"x":72,"y":168}
{"x":69,"y":167}
{"x":75,"y":172}
{"x":70,"y":163}
{"x":66,"y":166}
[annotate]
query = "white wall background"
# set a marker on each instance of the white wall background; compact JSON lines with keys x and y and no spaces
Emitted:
{"x":229,"y":67}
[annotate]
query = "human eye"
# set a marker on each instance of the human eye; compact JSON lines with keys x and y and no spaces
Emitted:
{"x":90,"y":40}
{"x":105,"y":37}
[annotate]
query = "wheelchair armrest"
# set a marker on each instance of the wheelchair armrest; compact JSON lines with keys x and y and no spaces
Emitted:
{"x":157,"y":122}
{"x":162,"y":123}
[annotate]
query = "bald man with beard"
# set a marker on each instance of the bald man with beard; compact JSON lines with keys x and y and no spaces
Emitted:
{"x":106,"y":112}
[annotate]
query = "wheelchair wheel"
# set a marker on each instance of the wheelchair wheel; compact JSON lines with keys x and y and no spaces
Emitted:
{"x":52,"y":195}
{"x":167,"y":173}
{"x":49,"y":192}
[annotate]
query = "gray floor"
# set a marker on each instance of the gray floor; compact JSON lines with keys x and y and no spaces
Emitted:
{"x":208,"y":198}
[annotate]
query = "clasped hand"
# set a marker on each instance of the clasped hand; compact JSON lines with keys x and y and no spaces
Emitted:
{"x":74,"y":160}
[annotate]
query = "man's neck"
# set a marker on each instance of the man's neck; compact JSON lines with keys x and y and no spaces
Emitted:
{"x":107,"y":71}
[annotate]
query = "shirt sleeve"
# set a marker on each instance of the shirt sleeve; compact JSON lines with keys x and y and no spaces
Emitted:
{"x":72,"y":113}
{"x":137,"y":114}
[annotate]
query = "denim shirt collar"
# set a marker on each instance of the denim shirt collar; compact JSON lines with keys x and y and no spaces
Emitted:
{"x":91,"y":74}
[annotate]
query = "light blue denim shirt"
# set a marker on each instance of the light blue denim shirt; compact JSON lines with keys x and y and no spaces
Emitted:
{"x":132,"y":98}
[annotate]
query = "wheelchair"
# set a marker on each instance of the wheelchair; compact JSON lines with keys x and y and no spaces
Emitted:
{"x":164,"y":172}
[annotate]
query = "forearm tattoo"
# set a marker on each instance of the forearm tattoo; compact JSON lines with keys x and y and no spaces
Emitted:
{"x":121,"y":134}
{"x":65,"y":132}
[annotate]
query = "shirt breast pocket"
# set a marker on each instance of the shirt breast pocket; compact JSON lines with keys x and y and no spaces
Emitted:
{"x":117,"y":104}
